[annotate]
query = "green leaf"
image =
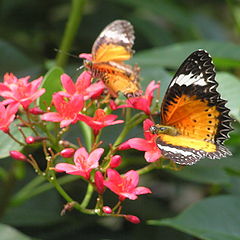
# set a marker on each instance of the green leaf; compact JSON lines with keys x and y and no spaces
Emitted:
{"x":7,"y":144}
{"x":209,"y":171}
{"x":225,"y":54}
{"x":41,"y":210}
{"x":12,"y":60}
{"x":215,"y":218}
{"x":52,"y":84}
{"x":10,"y":233}
{"x":229,"y":87}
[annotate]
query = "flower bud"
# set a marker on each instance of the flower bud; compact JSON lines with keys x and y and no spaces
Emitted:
{"x":98,"y":177}
{"x":31,"y":139}
{"x":36,"y":111}
{"x":67,"y":152}
{"x":132,"y":219}
{"x":115,"y":161}
{"x":18,"y":155}
{"x":112,"y":105}
{"x":107,"y":209}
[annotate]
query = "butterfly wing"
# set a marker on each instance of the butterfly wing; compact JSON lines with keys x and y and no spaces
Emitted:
{"x":194,"y":107}
{"x":118,"y":78}
{"x":114,"y":43}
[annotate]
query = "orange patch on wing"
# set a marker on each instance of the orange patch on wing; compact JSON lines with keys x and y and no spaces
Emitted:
{"x":192,"y":117}
{"x":111,"y":52}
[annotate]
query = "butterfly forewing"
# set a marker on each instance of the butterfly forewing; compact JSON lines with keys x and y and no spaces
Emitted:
{"x":194,"y":107}
{"x":114,"y":43}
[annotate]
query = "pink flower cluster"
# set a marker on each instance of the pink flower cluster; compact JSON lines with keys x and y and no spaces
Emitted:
{"x":71,"y":102}
{"x":82,"y":101}
{"x":124,"y":186}
{"x":16,"y":92}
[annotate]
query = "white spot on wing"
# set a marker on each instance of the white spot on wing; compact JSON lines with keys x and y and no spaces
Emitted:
{"x":175,"y":150}
{"x":115,"y":35}
{"x":189,"y":79}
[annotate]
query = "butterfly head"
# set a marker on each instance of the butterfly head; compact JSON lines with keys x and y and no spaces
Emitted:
{"x":161,"y":129}
{"x":87,"y":64}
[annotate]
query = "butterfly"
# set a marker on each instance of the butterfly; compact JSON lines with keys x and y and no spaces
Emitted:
{"x":194,"y":119}
{"x":112,"y":47}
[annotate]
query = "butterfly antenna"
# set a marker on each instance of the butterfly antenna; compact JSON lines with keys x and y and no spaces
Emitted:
{"x":79,"y":68}
{"x":66,"y":53}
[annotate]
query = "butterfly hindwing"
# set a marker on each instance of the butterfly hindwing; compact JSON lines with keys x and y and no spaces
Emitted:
{"x":194,"y":107}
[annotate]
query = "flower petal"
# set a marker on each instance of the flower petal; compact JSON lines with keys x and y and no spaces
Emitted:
{"x":142,"y":190}
{"x":52,"y":117}
{"x":68,"y":84}
{"x":152,"y":156}
{"x":133,"y":177}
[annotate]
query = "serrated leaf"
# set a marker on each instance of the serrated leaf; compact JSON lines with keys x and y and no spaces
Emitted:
{"x":215,"y":218}
{"x":10,"y":233}
{"x":52,"y":84}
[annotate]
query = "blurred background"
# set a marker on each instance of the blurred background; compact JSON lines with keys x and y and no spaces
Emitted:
{"x":167,"y":31}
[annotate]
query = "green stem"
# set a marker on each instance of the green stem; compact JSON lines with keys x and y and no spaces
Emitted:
{"x":70,"y":31}
{"x":62,"y":192}
{"x":14,"y":139}
{"x":87,"y":196}
{"x":148,"y":168}
{"x":87,"y":134}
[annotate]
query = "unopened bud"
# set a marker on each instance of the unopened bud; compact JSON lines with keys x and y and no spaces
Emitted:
{"x":107,"y":209}
{"x":98,"y":177}
{"x":18,"y":155}
{"x":115,"y":161}
{"x":36,"y":111}
{"x":112,"y":105}
{"x":132,"y":219}
{"x":67,"y":152}
{"x":31,"y":139}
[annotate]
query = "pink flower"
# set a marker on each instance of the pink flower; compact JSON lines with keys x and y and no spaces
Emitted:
{"x":86,"y":56}
{"x":83,"y":163}
{"x":83,"y":86}
{"x":152,"y":152}
{"x":67,"y":111}
{"x":100,"y":120}
{"x":125,"y":186}
{"x":143,"y":102}
{"x":20,"y":90}
{"x":7,"y":115}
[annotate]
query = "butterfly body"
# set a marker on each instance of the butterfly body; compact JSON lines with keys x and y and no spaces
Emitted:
{"x":112,"y":47}
{"x":193,"y":107}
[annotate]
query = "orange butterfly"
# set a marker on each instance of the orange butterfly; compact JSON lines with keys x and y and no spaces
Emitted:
{"x":112,"y":47}
{"x":194,"y":119}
